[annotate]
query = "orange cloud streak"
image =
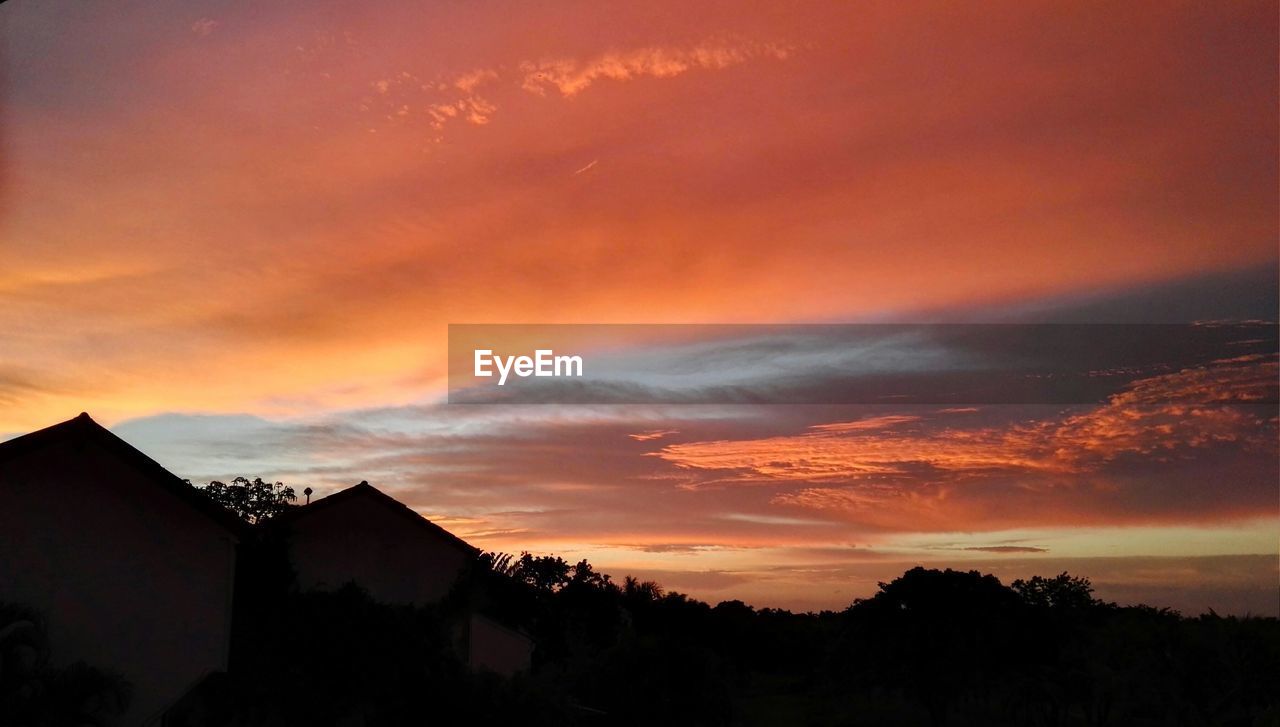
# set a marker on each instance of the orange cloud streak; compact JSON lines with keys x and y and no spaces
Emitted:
{"x":890,"y":469}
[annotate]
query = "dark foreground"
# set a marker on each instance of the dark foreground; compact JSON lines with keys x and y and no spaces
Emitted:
{"x":930,"y":648}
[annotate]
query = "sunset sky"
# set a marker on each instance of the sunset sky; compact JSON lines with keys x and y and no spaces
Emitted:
{"x":236,"y":234}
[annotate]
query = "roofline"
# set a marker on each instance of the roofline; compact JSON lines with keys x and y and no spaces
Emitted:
{"x":84,"y":426}
{"x":367,"y":490}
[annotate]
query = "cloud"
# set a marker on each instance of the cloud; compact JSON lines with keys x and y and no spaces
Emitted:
{"x":468,"y":82}
{"x":344,"y":258}
{"x":683,"y":548}
{"x":850,"y":364}
{"x":652,"y":434}
{"x":861,"y":425}
{"x":446,"y":98}
{"x":478,"y":111}
{"x":1156,"y":417}
{"x":204,"y":26}
{"x":1146,"y":454}
{"x":571,"y":77}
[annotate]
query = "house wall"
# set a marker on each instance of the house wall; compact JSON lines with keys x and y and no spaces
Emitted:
{"x":497,"y":648}
{"x":128,"y":576}
{"x":363,"y":540}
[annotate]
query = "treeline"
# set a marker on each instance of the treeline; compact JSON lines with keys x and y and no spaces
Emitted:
{"x":932,"y":647}
{"x":929,"y":648}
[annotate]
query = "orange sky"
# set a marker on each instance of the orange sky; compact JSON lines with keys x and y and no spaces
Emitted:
{"x":272,"y":211}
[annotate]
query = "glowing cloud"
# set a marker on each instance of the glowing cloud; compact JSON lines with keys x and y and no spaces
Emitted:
{"x":571,"y":77}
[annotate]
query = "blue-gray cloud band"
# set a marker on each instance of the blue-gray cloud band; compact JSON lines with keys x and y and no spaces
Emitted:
{"x":939,"y":364}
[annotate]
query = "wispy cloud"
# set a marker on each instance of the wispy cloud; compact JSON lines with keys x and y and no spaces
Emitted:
{"x":204,"y":26}
{"x":445,"y":98}
{"x":868,"y":424}
{"x":570,"y":76}
{"x":652,"y":434}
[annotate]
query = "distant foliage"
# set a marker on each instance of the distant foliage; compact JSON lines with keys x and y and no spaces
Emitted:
{"x":254,"y":501}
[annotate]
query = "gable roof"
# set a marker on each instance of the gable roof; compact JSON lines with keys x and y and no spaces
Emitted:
{"x":85,"y":429}
{"x":364,"y":490}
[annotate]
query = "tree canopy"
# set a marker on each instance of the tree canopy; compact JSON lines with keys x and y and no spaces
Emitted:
{"x":254,"y":501}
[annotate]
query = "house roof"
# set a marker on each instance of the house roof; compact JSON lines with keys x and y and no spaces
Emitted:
{"x":85,"y":429}
{"x":364,"y":490}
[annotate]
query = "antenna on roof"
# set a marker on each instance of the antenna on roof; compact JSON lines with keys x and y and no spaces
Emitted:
{"x":307,"y":492}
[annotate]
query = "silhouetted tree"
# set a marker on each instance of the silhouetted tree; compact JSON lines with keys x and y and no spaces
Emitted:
{"x":1061,"y":591}
{"x":637,"y":592}
{"x":543,"y":572}
{"x":254,"y":501}
{"x":584,"y":575}
{"x":949,"y":632}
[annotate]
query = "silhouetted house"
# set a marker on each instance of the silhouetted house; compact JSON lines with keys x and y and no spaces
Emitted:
{"x":130,"y":565}
{"x":364,"y":536}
